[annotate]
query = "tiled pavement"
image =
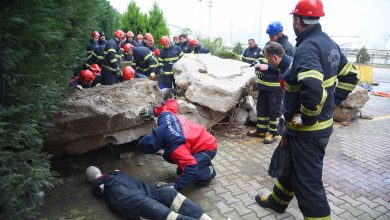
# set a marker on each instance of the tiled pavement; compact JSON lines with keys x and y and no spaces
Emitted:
{"x":356,"y":177}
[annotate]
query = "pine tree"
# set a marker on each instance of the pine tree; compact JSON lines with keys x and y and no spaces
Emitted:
{"x":134,"y":20}
{"x":41,"y":42}
{"x":363,"y":56}
{"x":156,"y":22}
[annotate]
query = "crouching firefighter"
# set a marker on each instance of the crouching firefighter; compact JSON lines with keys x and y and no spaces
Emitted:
{"x":132,"y":198}
{"x":185,"y":143}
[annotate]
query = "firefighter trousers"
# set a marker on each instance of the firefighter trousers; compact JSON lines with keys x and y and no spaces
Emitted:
{"x":305,"y":181}
{"x":156,"y":204}
{"x":268,"y":110}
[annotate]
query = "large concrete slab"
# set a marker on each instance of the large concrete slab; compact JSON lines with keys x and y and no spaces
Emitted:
{"x":95,"y":117}
{"x":213,"y":82}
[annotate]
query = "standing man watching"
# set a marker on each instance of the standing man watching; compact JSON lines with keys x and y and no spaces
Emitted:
{"x":275,"y":33}
{"x":111,"y":72}
{"x":308,"y":109}
{"x":169,"y":55}
{"x":252,"y":53}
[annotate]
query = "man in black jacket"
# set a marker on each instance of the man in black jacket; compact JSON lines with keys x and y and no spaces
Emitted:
{"x":310,"y":96}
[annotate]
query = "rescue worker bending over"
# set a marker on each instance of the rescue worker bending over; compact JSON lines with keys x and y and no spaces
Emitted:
{"x":311,"y":94}
{"x":132,"y":198}
{"x":185,"y":143}
{"x":86,"y":79}
{"x":169,"y":56}
{"x":149,"y":43}
{"x":197,"y":47}
{"x":111,"y":72}
{"x":144,"y":61}
{"x":252,"y":53}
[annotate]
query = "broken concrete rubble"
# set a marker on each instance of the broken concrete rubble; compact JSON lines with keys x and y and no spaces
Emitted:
{"x":351,"y":106}
{"x":91,"y":119}
{"x":213,"y":82}
{"x":95,"y":117}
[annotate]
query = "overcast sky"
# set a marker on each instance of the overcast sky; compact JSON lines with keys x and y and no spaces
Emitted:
{"x":351,"y":23}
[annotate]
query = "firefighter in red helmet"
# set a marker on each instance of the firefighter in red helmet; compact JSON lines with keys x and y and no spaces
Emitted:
{"x":310,"y":97}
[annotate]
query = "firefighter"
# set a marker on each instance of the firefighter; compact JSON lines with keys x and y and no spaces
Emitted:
{"x":96,"y":56}
{"x":126,"y":55}
{"x":252,"y":53}
{"x":275,"y":33}
{"x":311,"y":94}
{"x":102,"y":38}
{"x":185,"y":143}
{"x":197,"y":47}
{"x":144,"y":61}
{"x":149,"y":43}
{"x":170,"y":54}
{"x":93,"y":43}
{"x":111,"y":72}
{"x":86,"y":79}
{"x":184,"y":44}
{"x":140,"y":39}
{"x":269,"y":102}
{"x":128,"y":73}
{"x":176,"y":40}
{"x":129,"y":39}
{"x":132,"y":198}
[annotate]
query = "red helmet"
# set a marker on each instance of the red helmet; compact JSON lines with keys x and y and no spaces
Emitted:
{"x":127,"y":47}
{"x":95,"y":34}
{"x":96,"y":69}
{"x":309,"y":8}
{"x":128,"y":73}
{"x":129,"y":34}
{"x":194,"y":42}
{"x":164,"y":40}
{"x":119,"y":34}
{"x":156,"y":52}
{"x":149,"y":37}
{"x":86,"y":76}
{"x":139,"y":36}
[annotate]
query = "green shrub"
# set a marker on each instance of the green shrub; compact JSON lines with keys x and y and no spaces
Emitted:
{"x":363,"y":56}
{"x":228,"y":55}
{"x":42,"y":41}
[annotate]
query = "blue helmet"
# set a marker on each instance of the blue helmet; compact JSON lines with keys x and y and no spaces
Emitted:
{"x":274,"y":28}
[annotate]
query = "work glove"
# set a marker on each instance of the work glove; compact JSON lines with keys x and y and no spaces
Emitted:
{"x":296,"y":120}
{"x":153,"y":76}
{"x":164,"y":184}
{"x":79,"y":87}
{"x":147,"y":113}
{"x":119,"y":72}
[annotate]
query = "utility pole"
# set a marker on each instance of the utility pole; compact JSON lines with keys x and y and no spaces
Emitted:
{"x":209,"y":4}
{"x":261,"y":21}
{"x":200,"y":18}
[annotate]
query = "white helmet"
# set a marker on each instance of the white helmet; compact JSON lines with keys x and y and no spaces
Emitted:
{"x":92,"y":173}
